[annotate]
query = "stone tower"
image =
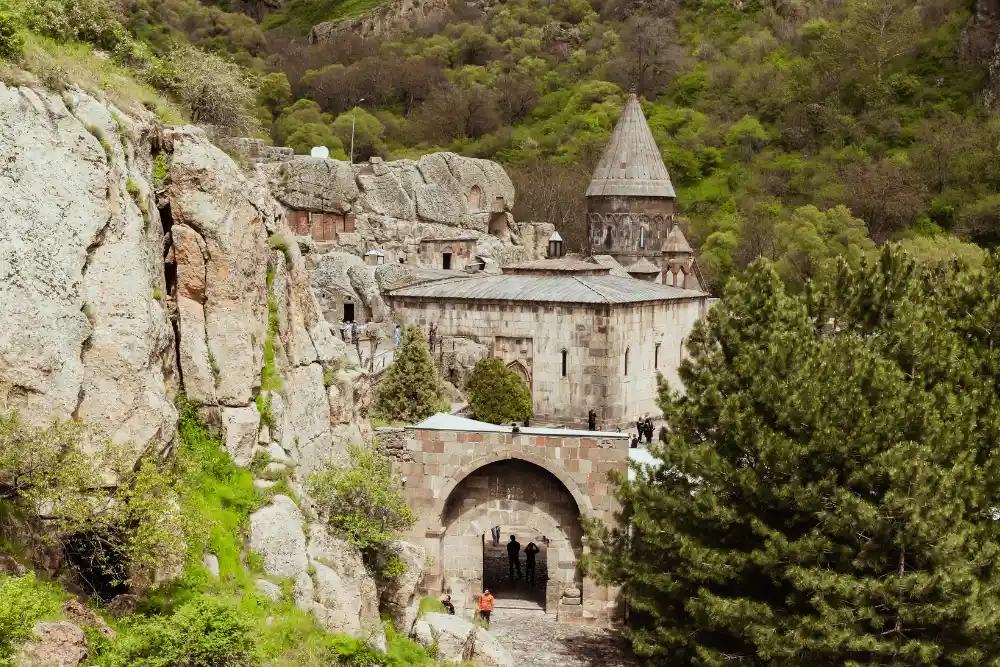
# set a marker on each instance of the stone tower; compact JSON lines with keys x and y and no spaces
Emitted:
{"x":631,"y":211}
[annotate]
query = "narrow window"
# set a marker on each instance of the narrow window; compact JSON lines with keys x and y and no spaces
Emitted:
{"x":626,"y":362}
{"x":656,"y":356}
{"x":642,"y":237}
{"x":564,"y":363}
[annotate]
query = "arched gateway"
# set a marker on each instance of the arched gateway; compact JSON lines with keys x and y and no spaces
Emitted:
{"x":464,"y":477}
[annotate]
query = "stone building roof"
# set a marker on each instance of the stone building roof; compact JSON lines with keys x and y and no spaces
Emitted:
{"x":675,"y":242}
{"x":608,"y":290}
{"x":612,"y":264}
{"x":561,"y":265}
{"x":643,"y":267}
{"x":631,"y":165}
{"x":446,"y":422}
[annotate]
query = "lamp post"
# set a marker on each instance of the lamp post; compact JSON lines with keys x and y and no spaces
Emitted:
{"x":354,"y":120}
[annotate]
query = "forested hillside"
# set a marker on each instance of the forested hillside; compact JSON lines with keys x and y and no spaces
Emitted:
{"x":793,"y":129}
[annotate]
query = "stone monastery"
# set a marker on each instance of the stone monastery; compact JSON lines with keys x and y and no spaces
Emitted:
{"x":433,"y":243}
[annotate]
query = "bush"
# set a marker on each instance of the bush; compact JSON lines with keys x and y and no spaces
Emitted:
{"x":93,"y":21}
{"x":362,"y":502}
{"x":23,"y":601}
{"x":11,"y":43}
{"x":412,"y":389}
{"x":497,"y":394}
{"x":205,"y":632}
{"x":214,"y":90}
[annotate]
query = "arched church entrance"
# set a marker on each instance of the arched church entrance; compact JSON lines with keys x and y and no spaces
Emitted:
{"x":522,"y":499}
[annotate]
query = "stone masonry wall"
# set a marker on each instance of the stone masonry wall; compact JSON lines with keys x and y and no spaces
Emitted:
{"x":453,"y":514}
{"x":639,"y":329}
{"x":544,"y":329}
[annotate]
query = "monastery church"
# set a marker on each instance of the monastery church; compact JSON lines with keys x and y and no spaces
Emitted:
{"x":585,"y":333}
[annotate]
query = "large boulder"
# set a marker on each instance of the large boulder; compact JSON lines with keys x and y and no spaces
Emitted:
{"x":81,"y":615}
{"x":59,"y":644}
{"x":399,"y":596}
{"x":458,"y":640}
{"x":276,"y":535}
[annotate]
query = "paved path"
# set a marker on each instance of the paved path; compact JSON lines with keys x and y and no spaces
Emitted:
{"x":535,"y":640}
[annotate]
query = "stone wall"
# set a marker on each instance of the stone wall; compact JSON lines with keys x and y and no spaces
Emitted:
{"x":460,"y":483}
{"x":639,"y":329}
{"x":508,"y":329}
{"x":628,"y":228}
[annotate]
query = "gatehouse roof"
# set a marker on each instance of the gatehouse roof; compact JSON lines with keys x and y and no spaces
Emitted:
{"x":447,"y":422}
{"x":578,"y":289}
{"x":561,"y":265}
{"x":631,"y":165}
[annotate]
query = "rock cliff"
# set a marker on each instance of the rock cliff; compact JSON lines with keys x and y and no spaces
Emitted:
{"x":139,"y":262}
{"x":392,"y":18}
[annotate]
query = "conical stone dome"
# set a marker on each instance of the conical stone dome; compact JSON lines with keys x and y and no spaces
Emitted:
{"x":631,"y":165}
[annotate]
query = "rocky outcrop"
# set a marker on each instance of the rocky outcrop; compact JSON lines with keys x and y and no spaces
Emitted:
{"x":399,"y":596}
{"x":460,"y":641}
{"x":392,"y":18}
{"x":276,"y":536}
{"x":84,"y":332}
{"x":59,"y":644}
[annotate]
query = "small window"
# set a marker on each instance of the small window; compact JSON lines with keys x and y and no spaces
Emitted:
{"x":656,"y":356}
{"x":564,"y":354}
{"x":626,"y":362}
{"x":642,"y":237}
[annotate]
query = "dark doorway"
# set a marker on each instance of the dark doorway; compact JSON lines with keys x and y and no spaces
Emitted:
{"x":446,"y":261}
{"x":496,"y":567}
{"x":348,"y":312}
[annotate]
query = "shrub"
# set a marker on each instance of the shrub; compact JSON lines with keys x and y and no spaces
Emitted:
{"x":204,"y":632}
{"x":161,"y":168}
{"x":23,"y":601}
{"x":362,"y":502}
{"x":497,"y":394}
{"x":412,"y":389}
{"x":93,"y":21}
{"x":215,"y":91}
{"x":11,"y":43}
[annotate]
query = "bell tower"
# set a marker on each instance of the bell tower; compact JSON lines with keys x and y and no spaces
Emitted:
{"x":630,"y":201}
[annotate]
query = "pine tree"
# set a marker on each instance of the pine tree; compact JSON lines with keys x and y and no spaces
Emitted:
{"x":497,"y":394}
{"x":828,"y":484}
{"x":411,"y":390}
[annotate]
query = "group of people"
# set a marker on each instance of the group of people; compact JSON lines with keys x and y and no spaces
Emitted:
{"x":643,"y":428}
{"x":350,"y":332}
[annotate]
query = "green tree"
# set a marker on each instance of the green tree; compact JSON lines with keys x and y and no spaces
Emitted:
{"x":828,"y":484}
{"x":214,"y":90}
{"x":274,"y":92}
{"x":11,"y":43}
{"x":293,"y":118}
{"x":412,"y":389}
{"x":362,"y":502}
{"x":368,"y":131}
{"x":810,"y":241}
{"x":309,"y":135}
{"x":497,"y":394}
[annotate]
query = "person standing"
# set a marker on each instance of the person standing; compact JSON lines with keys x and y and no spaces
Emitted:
{"x":356,"y":332}
{"x":346,"y":332}
{"x":638,"y":427}
{"x":432,"y":337}
{"x":513,"y":556}
{"x":396,"y":335}
{"x":446,"y":601}
{"x":592,"y":420}
{"x":495,"y":533}
{"x":529,"y":562}
{"x":649,"y":430}
{"x":486,"y":606}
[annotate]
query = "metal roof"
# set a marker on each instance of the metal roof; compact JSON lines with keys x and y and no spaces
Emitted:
{"x":562,"y":265}
{"x":612,"y":263}
{"x":547,"y":289}
{"x":446,"y":422}
{"x":675,"y":241}
{"x":555,"y":237}
{"x":631,"y":165}
{"x":643,"y":266}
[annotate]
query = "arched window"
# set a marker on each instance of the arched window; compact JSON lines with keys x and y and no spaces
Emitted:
{"x":626,"y":361}
{"x":564,"y":355}
{"x":642,"y":237}
{"x":656,"y":356}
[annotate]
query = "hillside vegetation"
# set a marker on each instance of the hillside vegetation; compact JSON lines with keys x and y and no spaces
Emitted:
{"x":793,"y":129}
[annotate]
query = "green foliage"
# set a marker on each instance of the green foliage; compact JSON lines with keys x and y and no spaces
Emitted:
{"x":270,"y":379}
{"x":411,"y":389}
{"x":23,"y":602}
{"x":133,"y":528}
{"x":431,"y":605}
{"x":827,"y":485}
{"x":161,"y":168}
{"x":11,"y":42}
{"x":368,"y":132}
{"x":363,"y":501}
{"x":203,"y":632}
{"x":497,"y":394}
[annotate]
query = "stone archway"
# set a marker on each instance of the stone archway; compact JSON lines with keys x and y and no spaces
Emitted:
{"x":517,"y":495}
{"x":521,"y":371}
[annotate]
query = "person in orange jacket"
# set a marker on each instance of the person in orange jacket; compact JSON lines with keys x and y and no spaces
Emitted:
{"x":486,"y":606}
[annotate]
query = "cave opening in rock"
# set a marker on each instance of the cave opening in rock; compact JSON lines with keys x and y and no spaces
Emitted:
{"x":99,"y":563}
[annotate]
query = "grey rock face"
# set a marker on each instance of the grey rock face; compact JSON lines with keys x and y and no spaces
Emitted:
{"x":400,"y":597}
{"x":60,"y":644}
{"x":276,"y":534}
{"x":459,"y":641}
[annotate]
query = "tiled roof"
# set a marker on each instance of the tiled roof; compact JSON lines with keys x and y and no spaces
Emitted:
{"x":563,"y":264}
{"x":612,"y":263}
{"x":643,"y":266}
{"x":631,"y":165}
{"x":547,"y":289}
{"x":675,"y":241}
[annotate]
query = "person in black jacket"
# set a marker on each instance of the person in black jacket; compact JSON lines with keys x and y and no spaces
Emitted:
{"x":529,"y":562}
{"x":513,"y":559}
